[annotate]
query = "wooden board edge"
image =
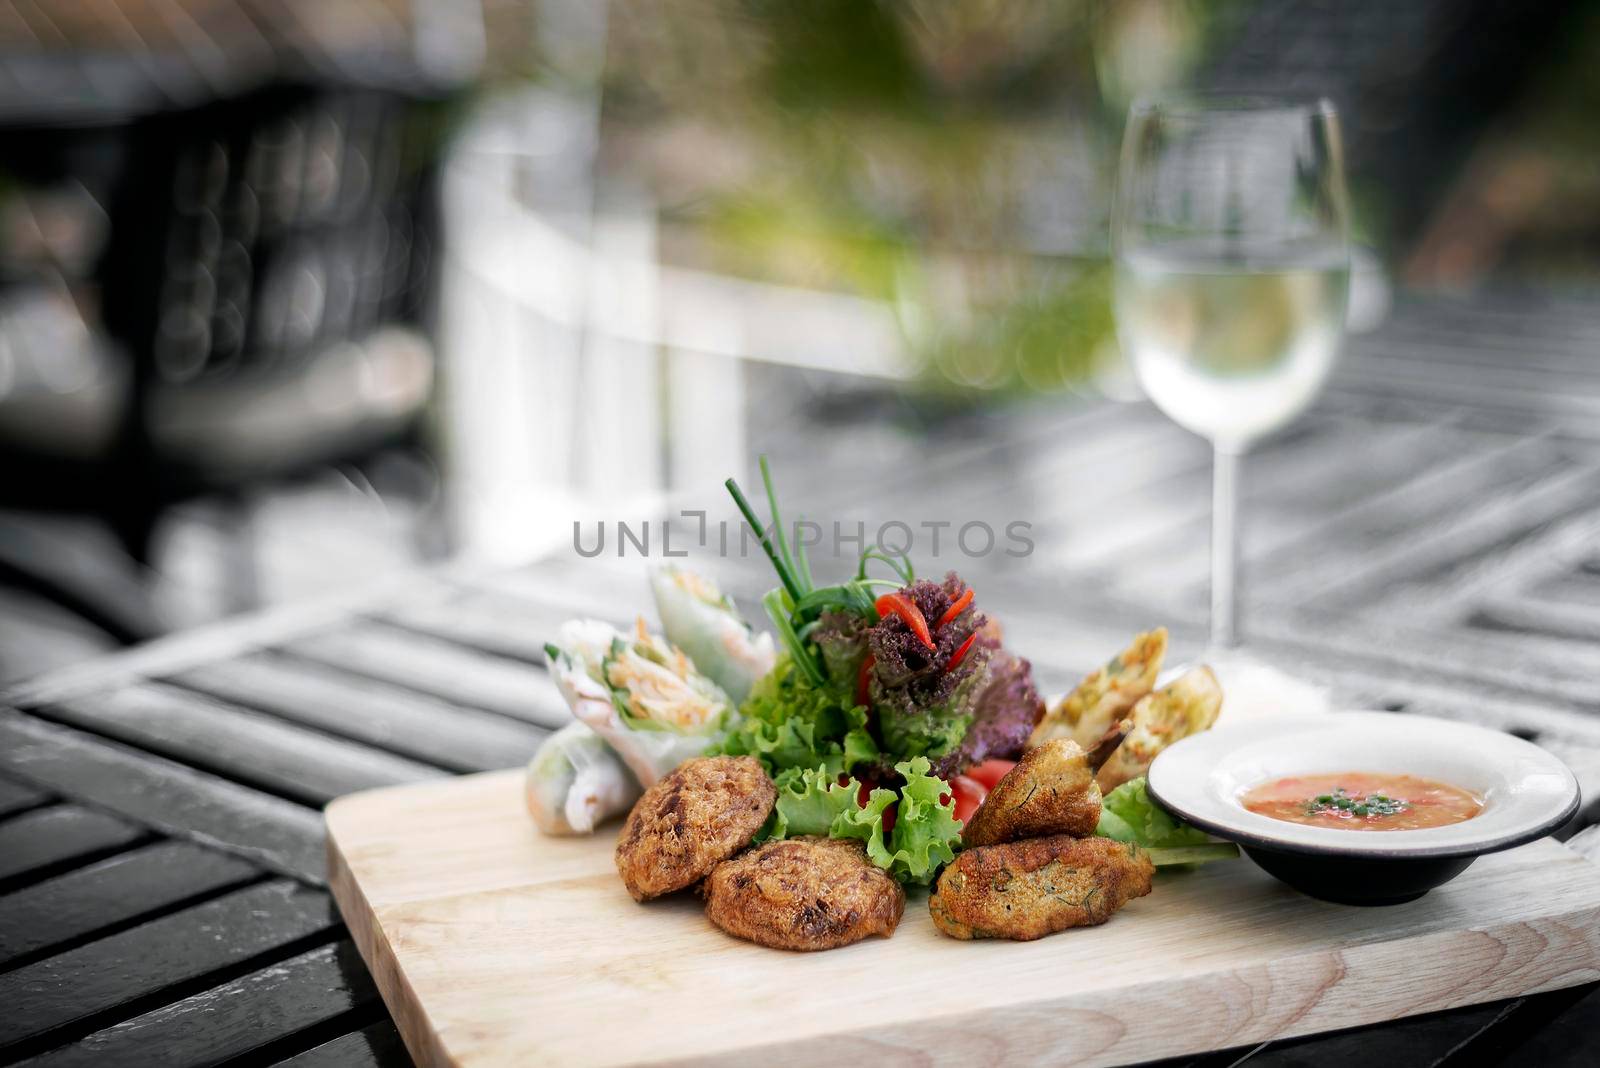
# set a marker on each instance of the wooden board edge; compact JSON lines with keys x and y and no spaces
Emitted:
{"x":410,"y":1016}
{"x":960,"y":1039}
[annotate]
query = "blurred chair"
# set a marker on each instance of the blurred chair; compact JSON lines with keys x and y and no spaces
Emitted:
{"x":212,"y":274}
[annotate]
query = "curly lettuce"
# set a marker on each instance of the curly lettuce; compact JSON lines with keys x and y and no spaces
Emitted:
{"x":924,"y":832}
{"x":926,"y":695}
{"x":1007,"y":708}
{"x":789,"y":722}
{"x":841,"y":638}
{"x":1129,"y":814}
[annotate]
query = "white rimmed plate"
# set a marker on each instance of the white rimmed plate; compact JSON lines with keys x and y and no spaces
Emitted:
{"x":1527,"y":793}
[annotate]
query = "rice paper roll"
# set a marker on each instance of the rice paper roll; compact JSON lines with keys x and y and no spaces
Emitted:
{"x":699,"y":619}
{"x":575,"y":782}
{"x":642,"y":695}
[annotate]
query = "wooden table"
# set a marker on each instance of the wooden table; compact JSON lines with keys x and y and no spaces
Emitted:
{"x":1425,"y":540}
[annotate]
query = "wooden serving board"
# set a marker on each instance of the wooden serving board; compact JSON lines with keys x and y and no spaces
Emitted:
{"x":494,"y":945}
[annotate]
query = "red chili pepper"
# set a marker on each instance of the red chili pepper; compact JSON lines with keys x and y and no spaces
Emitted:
{"x":955,"y":609}
{"x":901,"y":605}
{"x":863,"y":680}
{"x":961,"y":651}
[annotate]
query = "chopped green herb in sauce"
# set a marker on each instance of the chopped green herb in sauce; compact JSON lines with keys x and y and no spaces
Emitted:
{"x":1342,"y":802}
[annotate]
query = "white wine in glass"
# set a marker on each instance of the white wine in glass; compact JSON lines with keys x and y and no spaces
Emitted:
{"x":1232,"y":279}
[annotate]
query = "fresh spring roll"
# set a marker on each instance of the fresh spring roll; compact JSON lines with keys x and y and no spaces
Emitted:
{"x":699,"y":619}
{"x":576,"y":782}
{"x":640,"y":694}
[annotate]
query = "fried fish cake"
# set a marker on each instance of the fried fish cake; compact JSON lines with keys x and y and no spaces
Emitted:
{"x":1052,"y":790}
{"x":804,"y":893}
{"x":700,"y":814}
{"x":1026,"y":890}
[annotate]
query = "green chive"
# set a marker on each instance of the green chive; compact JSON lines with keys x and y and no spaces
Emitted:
{"x":800,"y":557}
{"x":777,"y":520}
{"x":766,"y":541}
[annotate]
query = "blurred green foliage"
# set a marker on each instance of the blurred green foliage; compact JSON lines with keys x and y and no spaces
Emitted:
{"x":952,"y":159}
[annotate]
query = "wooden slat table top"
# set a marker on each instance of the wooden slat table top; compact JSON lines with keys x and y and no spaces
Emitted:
{"x":1427,"y":539}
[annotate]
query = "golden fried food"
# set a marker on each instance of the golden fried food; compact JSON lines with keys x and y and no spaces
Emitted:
{"x":1026,"y":890}
{"x":1101,"y":751}
{"x":804,"y":893}
{"x":1052,"y":790}
{"x":1107,"y":695}
{"x":1186,"y":706}
{"x":697,"y":816}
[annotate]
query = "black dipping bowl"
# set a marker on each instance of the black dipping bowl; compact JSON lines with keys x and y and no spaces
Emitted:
{"x":1527,"y":793}
{"x":1357,"y":880}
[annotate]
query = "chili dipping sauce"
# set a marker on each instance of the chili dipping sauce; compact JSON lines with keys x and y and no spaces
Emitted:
{"x":1363,"y":801}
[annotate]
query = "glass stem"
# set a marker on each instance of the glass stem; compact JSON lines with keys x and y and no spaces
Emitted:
{"x":1224,"y":546}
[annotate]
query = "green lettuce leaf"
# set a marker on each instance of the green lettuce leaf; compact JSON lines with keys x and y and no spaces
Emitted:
{"x":1128,"y":814}
{"x":810,"y":801}
{"x":925,"y":829}
{"x":859,"y":748}
{"x":788,"y":722}
{"x":926,"y":731}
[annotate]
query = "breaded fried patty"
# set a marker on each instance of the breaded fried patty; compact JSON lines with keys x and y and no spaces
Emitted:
{"x":1026,"y":890}
{"x":702,"y":813}
{"x":804,"y":893}
{"x":1050,"y":791}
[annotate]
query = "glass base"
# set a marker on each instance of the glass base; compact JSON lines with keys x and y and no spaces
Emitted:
{"x":1255,"y":689}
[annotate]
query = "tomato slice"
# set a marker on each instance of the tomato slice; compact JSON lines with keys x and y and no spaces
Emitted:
{"x":990,"y":772}
{"x":969,"y":794}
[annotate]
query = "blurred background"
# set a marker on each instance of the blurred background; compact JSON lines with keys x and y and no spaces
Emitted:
{"x":296,"y":298}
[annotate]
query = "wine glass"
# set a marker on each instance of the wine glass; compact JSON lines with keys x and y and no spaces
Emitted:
{"x":1232,"y":248}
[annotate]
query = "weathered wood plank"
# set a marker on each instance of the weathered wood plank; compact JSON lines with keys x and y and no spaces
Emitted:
{"x":1167,"y":535}
{"x":241,"y":745}
{"x":48,"y":837}
{"x":17,"y":797}
{"x":226,"y":638}
{"x":1419,"y":1042}
{"x":1145,"y":450}
{"x":1430,"y":551}
{"x":374,"y":1046}
{"x":867,"y":471}
{"x":1522,"y":572}
{"x":112,"y":892}
{"x":1575,"y":583}
{"x":1503,"y":388}
{"x":1527,"y":668}
{"x":456,"y":674}
{"x":1556,"y":356}
{"x":76,"y":986}
{"x":514,"y":629}
{"x":1309,"y":547}
{"x":1524,"y":615}
{"x":1530,"y":386}
{"x":275,"y":833}
{"x":1554,"y":1030}
{"x":618,"y":591}
{"x":1103,"y":521}
{"x":238,"y":1017}
{"x":388,"y":717}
